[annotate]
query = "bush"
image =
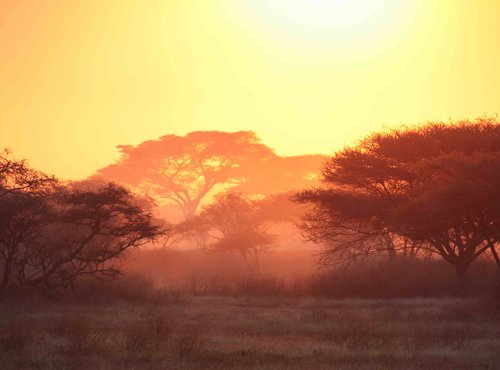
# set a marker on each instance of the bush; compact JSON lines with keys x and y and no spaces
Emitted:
{"x":395,"y":279}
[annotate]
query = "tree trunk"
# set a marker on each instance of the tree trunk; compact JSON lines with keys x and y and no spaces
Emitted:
{"x":495,"y":255}
{"x":190,"y":209}
{"x":391,"y":251}
{"x":5,"y":276}
{"x":256,"y":262}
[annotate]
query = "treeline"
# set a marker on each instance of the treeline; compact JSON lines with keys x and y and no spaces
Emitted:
{"x":426,"y":192}
{"x":233,"y":191}
{"x":293,"y":273}
{"x":420,"y":193}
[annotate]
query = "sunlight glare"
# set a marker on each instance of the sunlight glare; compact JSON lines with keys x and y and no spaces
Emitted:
{"x":329,"y":13}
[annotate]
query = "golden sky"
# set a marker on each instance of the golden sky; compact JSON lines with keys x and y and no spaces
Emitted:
{"x":79,"y":77}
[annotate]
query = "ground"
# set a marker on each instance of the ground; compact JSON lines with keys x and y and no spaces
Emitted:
{"x":252,"y":333}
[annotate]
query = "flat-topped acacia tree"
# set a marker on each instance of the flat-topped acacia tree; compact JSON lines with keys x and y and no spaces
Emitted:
{"x":183,"y":169}
{"x":437,"y":185}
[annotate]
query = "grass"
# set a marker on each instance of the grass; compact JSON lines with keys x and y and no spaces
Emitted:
{"x":208,"y":332}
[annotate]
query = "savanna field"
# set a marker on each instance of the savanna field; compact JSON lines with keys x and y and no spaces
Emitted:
{"x":391,"y":262}
{"x":209,"y":332}
{"x":249,"y":184}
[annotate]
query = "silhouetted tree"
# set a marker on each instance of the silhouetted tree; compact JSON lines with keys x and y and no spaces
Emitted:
{"x":183,"y":169}
{"x":236,"y":225}
{"x":53,"y":233}
{"x":454,"y":207}
{"x":22,"y":205}
{"x":21,"y":218}
{"x":88,"y":228}
{"x":272,"y":210}
{"x":436,"y":185}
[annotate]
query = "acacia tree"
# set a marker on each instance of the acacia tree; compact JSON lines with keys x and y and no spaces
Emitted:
{"x":55,"y":233}
{"x":88,"y":230}
{"x":184,"y":169}
{"x":454,"y":208}
{"x":236,"y":225}
{"x":436,"y":185}
{"x":22,"y":189}
{"x":21,"y":218}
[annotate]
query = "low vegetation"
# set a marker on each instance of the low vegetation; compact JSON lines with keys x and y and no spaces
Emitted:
{"x":208,"y":332}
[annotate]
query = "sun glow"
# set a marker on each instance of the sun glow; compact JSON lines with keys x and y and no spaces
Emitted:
{"x":309,"y":76}
{"x":330,"y":13}
{"x":326,"y":28}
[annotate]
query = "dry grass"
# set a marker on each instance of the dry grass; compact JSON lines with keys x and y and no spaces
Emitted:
{"x":254,"y":333}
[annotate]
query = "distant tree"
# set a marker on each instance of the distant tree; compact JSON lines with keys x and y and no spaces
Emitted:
{"x":272,"y":210}
{"x":435,"y":185}
{"x":236,"y":225}
{"x":177,"y":233}
{"x":184,"y":169}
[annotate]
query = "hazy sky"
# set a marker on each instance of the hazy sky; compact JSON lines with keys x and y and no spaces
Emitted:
{"x":79,"y":77}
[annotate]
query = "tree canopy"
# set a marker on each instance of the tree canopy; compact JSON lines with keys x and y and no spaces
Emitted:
{"x":52,"y":233}
{"x":235,"y":224}
{"x":185,"y":169}
{"x":437,"y":185}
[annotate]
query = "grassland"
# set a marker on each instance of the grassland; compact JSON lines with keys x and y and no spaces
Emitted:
{"x":189,"y":332}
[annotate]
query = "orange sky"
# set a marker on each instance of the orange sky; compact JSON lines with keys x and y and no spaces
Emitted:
{"x":82,"y":76}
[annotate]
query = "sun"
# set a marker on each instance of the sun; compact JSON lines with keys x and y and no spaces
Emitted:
{"x":328,"y":26}
{"x":330,"y":13}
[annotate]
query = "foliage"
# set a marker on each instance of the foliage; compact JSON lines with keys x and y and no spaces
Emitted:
{"x":236,"y":225}
{"x":436,"y":185}
{"x":54,"y":236}
{"x":17,"y":175}
{"x":185,"y":169}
